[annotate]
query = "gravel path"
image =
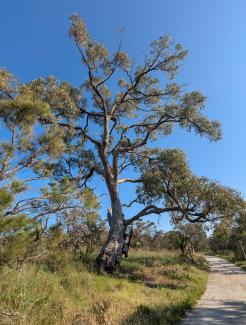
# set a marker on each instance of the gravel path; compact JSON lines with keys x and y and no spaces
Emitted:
{"x":224,"y":301}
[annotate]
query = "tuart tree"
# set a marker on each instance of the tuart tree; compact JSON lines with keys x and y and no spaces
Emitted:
{"x":105,"y":126}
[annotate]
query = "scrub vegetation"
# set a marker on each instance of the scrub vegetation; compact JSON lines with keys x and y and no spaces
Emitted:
{"x":152,"y":287}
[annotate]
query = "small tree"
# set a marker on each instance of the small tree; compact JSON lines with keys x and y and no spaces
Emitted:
{"x":166,"y":240}
{"x":84,"y":231}
{"x":220,"y":239}
{"x":143,"y":234}
{"x":230,"y":236}
{"x":239,"y":236}
{"x":190,"y":238}
{"x":28,"y":152}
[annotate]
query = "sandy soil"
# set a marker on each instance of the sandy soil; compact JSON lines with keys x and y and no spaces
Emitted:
{"x":224,"y":301}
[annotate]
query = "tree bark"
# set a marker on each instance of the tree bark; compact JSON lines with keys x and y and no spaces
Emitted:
{"x":111,"y":252}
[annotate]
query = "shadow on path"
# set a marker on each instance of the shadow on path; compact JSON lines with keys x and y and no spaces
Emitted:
{"x":224,"y":301}
{"x":228,"y":312}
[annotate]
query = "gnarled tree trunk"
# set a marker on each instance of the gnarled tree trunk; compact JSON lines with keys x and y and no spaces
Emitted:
{"x":111,"y":252}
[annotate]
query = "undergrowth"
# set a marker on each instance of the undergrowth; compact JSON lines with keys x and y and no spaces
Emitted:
{"x":150,"y":288}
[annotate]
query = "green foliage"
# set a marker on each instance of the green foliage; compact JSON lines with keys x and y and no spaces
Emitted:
{"x":60,"y":97}
{"x":168,"y":169}
{"x":53,"y":142}
{"x":78,"y":30}
{"x":23,"y":111}
{"x":17,"y":186}
{"x":5,"y":198}
{"x":190,"y":238}
{"x":7,"y":83}
{"x":85,"y":232}
{"x":185,"y":237}
{"x":15,"y":238}
{"x":168,"y":179}
{"x":230,"y":237}
{"x":144,"y":234}
{"x":220,"y":239}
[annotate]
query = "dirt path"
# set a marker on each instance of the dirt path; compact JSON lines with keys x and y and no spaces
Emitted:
{"x":224,"y":301}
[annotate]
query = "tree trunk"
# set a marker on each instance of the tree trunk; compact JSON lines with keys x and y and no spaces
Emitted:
{"x":111,"y":252}
{"x":243,"y":250}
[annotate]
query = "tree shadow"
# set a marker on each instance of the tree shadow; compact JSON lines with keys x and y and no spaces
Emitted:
{"x":230,"y":312}
{"x":150,"y":261}
{"x":227,"y":312}
{"x":226,"y":268}
{"x":145,"y":315}
{"x":154,"y":272}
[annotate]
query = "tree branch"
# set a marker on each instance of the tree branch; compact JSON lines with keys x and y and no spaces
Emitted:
{"x":150,"y":209}
{"x":129,"y":180}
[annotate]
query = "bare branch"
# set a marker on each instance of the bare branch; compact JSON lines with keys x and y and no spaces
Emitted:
{"x":129,"y":180}
{"x":130,"y":203}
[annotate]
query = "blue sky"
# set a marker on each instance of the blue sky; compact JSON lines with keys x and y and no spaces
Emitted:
{"x":34,"y":43}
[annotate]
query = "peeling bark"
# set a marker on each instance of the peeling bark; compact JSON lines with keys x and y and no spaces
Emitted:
{"x":127,"y":240}
{"x":111,"y":252}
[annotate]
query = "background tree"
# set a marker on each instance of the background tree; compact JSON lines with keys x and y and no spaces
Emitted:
{"x":143,"y":234}
{"x":165,"y":240}
{"x":230,"y":237}
{"x":86,"y":231}
{"x":190,"y":238}
{"x":220,"y":239}
{"x":238,"y":237}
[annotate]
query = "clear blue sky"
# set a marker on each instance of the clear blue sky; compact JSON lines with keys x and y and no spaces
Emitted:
{"x":34,"y":43}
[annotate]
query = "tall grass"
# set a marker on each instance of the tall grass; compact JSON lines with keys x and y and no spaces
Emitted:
{"x":151,"y":288}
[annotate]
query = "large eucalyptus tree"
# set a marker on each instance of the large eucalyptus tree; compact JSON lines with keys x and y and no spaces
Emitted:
{"x":104,"y":128}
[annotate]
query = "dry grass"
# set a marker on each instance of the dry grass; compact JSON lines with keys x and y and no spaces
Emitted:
{"x":151,"y":288}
